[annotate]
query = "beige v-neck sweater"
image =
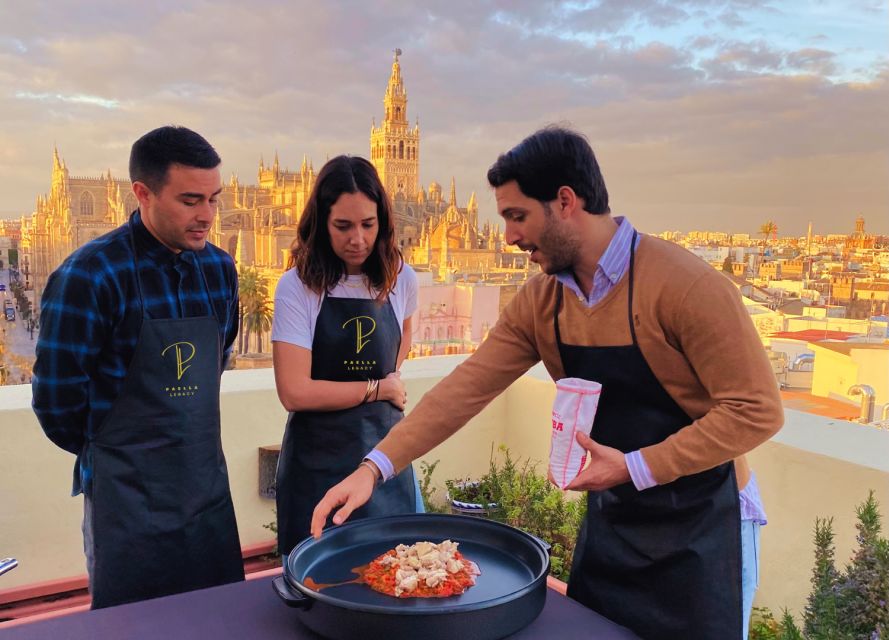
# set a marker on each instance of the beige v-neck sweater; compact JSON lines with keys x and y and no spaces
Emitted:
{"x":693,"y":330}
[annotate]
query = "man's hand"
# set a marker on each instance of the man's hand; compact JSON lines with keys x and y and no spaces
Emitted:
{"x":607,"y":467}
{"x":352,"y":492}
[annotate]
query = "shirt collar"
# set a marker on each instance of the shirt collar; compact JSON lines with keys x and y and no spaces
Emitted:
{"x":149,"y":246}
{"x":614,"y":260}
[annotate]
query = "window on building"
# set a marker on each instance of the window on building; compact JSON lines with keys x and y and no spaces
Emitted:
{"x":401,"y":150}
{"x":87,"y":203}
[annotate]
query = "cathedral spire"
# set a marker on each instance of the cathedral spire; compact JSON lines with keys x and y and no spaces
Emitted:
{"x":395,"y":100}
{"x":452,"y":200}
{"x":394,"y":144}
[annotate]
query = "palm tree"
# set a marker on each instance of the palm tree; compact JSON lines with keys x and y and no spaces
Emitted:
{"x":256,"y":315}
{"x":769,"y":228}
{"x":258,"y":320}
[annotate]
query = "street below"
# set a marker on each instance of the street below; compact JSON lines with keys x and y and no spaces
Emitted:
{"x":16,"y":340}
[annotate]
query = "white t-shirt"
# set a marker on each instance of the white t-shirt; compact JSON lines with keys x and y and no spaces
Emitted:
{"x":297,"y":307}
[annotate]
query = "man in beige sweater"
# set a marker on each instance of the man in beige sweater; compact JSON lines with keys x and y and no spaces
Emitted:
{"x":687,"y":390}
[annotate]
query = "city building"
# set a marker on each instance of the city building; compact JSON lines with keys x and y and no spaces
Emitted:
{"x":257,"y":223}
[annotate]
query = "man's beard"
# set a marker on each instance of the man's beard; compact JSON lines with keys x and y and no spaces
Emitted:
{"x":559,"y":248}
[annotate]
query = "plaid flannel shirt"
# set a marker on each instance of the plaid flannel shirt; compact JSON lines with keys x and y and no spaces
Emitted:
{"x":90,"y":318}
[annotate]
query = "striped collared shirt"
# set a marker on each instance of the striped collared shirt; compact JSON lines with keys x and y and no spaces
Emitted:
{"x":612,"y":266}
{"x":90,"y":317}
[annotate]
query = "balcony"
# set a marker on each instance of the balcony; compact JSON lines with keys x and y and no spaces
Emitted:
{"x":815,"y":467}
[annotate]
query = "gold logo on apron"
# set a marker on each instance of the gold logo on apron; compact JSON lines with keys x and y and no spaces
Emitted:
{"x":361,"y":334}
{"x":181,"y":362}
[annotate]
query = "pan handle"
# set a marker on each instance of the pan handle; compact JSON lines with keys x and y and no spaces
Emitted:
{"x":292,"y":598}
{"x":543,"y":543}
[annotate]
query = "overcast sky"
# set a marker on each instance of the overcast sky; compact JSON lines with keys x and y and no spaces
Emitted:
{"x":705,"y":114}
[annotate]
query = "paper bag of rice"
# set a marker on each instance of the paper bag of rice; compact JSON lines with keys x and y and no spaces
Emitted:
{"x":573,"y":411}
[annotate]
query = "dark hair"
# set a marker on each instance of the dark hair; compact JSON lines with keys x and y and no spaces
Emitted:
{"x":153,"y":153}
{"x":551,"y":158}
{"x":312,"y":254}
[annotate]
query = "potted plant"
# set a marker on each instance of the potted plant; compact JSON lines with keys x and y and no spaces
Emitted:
{"x":471,"y":498}
{"x":482,"y":497}
{"x":516,"y":494}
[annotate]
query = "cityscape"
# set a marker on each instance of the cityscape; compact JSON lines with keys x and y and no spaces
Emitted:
{"x":744,"y":132}
{"x":836,"y":283}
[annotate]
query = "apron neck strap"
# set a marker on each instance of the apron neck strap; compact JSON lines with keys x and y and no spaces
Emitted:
{"x":559,"y":296}
{"x":197,"y":258}
{"x":631,"y":282}
{"x":132,"y":235}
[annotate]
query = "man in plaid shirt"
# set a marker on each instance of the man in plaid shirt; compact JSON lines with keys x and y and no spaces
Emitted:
{"x":136,"y":327}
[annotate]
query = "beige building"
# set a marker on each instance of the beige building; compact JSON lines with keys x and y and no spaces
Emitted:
{"x":841,"y":365}
{"x":257,"y":223}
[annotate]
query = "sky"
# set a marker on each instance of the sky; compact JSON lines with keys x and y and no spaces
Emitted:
{"x":704,"y":114}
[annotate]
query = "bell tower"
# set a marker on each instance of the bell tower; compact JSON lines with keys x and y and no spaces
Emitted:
{"x":395,"y":145}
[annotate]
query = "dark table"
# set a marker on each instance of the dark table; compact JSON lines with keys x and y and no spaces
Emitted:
{"x":252,"y":610}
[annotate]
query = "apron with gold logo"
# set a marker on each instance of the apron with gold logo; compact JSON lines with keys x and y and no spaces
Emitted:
{"x":354,"y":340}
{"x":159,"y":513}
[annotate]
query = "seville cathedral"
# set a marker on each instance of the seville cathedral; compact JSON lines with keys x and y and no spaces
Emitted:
{"x":257,"y":223}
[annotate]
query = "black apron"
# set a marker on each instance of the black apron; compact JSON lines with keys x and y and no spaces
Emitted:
{"x":665,"y":562}
{"x":160,"y":512}
{"x":354,"y":340}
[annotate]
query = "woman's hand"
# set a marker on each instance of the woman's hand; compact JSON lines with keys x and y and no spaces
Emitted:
{"x":392,"y":390}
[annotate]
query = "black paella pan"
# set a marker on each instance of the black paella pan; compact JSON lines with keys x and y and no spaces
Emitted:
{"x":508,"y":595}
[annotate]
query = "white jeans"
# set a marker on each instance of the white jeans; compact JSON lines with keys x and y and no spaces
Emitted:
{"x":749,"y":568}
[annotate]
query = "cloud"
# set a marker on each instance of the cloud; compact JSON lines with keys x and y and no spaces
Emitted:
{"x":78,"y":98}
{"x":685,"y":117}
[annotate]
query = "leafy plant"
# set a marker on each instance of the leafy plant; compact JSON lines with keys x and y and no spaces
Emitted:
{"x":864,"y":593}
{"x":427,"y":491}
{"x":787,"y":629}
{"x":526,"y":500}
{"x":841,"y":606}
{"x":487,"y":490}
{"x":820,"y":618}
{"x":253,"y":299}
{"x":273,"y":527}
{"x":531,"y":503}
{"x":763,"y":625}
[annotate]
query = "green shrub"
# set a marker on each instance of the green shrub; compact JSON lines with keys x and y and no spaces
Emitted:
{"x":763,"y":625}
{"x":850,"y":605}
{"x":427,"y":491}
{"x":526,"y":500}
{"x":820,"y":618}
{"x":863,"y":593}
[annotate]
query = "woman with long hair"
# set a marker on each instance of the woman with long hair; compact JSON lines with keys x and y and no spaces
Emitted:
{"x":341,"y":330}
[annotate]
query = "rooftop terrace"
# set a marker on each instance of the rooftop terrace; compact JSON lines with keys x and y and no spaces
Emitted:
{"x":816,"y":466}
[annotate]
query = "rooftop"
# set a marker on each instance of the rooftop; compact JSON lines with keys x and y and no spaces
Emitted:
{"x":818,"y":465}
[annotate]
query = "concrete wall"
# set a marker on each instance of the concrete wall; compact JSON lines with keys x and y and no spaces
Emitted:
{"x":874,"y":370}
{"x":815,"y":467}
{"x":40,"y":522}
{"x":834,"y":374}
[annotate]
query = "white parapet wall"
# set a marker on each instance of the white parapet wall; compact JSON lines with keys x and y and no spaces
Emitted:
{"x":815,"y":467}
